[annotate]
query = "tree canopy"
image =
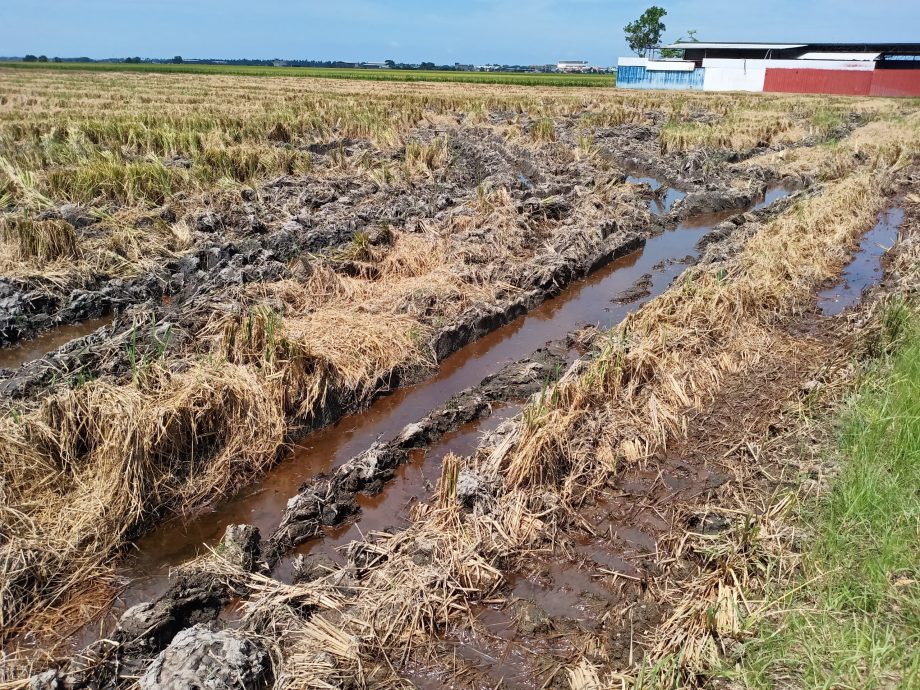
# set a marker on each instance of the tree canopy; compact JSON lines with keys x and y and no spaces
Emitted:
{"x":644,"y":34}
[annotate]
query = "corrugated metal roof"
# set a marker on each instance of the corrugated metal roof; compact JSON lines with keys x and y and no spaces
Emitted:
{"x":886,"y":48}
{"x":743,"y":46}
{"x":849,"y":57}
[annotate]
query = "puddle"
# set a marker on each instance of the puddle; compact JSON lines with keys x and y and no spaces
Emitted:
{"x":773,"y":193}
{"x":660,"y":205}
{"x":562,"y":590}
{"x":586,"y":302}
{"x":865,"y":269}
{"x":30,"y":350}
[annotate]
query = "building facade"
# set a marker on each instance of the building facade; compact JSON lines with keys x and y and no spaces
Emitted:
{"x":868,"y":69}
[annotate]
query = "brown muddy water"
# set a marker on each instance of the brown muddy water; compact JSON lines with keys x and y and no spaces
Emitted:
{"x":591,"y":301}
{"x":865,"y":269}
{"x":30,"y":350}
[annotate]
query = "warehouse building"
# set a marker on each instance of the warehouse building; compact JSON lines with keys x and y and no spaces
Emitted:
{"x":854,"y":69}
{"x":572,"y":66}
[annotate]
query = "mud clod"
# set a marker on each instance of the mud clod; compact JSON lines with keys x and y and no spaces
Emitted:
{"x":209,"y":660}
{"x":530,"y":618}
{"x":641,"y":288}
{"x":709,"y":523}
{"x":240,"y":547}
{"x":474,"y":492}
{"x":148,"y":627}
{"x":310,"y":568}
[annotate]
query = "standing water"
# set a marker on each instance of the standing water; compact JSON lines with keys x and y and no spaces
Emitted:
{"x":30,"y":350}
{"x":866,"y":267}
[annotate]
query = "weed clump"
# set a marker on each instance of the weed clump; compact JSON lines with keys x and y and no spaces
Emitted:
{"x":543,"y":131}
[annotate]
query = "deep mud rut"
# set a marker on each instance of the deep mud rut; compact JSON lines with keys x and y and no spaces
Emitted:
{"x":596,"y":577}
{"x":600,"y":301}
{"x":597,"y":581}
{"x":366,"y":469}
{"x":309,"y":522}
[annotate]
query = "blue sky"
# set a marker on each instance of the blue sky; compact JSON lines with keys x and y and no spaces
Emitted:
{"x":505,"y":31}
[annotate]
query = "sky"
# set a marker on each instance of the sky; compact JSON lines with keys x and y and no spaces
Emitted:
{"x":475,"y":31}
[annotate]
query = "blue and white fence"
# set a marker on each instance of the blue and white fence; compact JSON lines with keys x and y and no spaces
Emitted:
{"x":676,"y":75}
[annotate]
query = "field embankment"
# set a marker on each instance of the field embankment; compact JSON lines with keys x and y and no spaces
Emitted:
{"x":276,"y":254}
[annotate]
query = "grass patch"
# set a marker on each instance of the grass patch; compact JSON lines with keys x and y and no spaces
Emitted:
{"x":854,"y":619}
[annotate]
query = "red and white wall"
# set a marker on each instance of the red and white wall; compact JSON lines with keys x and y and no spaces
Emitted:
{"x":858,"y":77}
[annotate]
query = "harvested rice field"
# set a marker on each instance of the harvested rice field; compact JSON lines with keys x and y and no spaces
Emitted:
{"x":317,"y":383}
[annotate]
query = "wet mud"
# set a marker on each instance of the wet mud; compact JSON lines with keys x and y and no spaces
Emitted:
{"x":664,"y":196}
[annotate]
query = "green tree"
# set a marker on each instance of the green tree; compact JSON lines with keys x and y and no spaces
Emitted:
{"x":57,"y":59}
{"x":677,"y":52}
{"x":644,"y":34}
{"x":43,"y":58}
{"x":30,"y":58}
{"x":177,"y":60}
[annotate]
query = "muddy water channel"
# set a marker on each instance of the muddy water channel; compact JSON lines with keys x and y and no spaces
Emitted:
{"x":865,"y":269}
{"x":602,"y":299}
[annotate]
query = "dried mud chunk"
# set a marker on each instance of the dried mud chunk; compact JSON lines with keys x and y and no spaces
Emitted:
{"x":380,"y":236}
{"x":208,"y":222}
{"x":77,"y":216}
{"x":202,"y":658}
{"x":530,"y":618}
{"x":473,"y":490}
{"x":46,"y":680}
{"x":422,"y":551}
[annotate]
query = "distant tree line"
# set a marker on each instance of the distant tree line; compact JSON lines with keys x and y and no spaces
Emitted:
{"x":333,"y":64}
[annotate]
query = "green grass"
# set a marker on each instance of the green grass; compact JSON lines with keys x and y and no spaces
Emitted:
{"x":854,"y":619}
{"x":513,"y":78}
